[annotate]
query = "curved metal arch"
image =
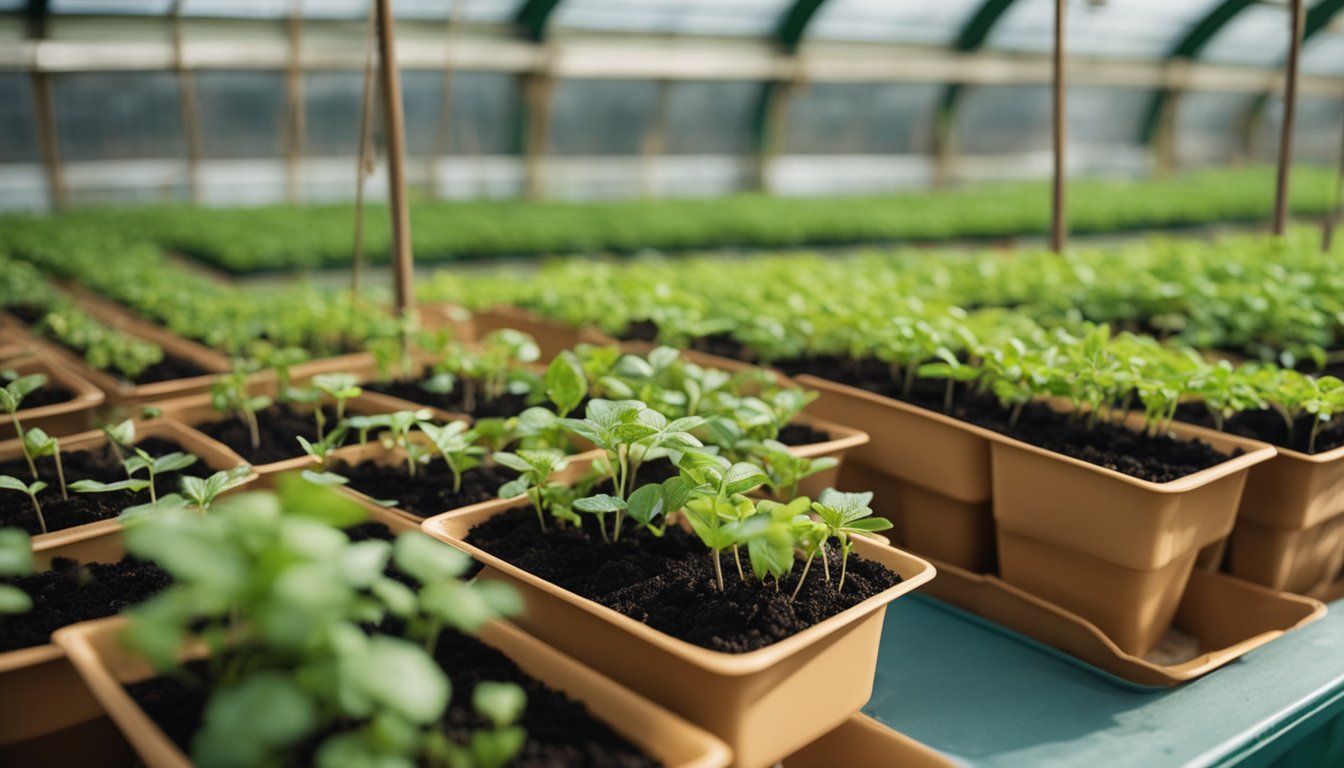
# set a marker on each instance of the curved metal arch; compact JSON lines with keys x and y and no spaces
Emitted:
{"x":1189,"y":47}
{"x":795,"y":22}
{"x":534,"y":17}
{"x":1317,"y":19}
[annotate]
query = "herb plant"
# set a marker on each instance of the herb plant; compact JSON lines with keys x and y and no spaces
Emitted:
{"x":229,"y":394}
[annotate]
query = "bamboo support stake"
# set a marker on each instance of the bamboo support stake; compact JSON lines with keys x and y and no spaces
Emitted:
{"x":49,"y":143}
{"x":1282,"y":190}
{"x":396,"y":160}
{"x":1058,"y":210}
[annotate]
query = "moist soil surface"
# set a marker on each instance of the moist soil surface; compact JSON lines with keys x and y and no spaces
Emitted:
{"x":100,"y":464}
{"x":1157,"y":459}
{"x":560,"y":732}
{"x":1269,"y":426}
{"x":668,"y":583}
{"x":50,"y":394}
{"x":454,"y":402}
{"x":277,"y":426}
{"x":72,"y":592}
{"x":801,"y":434}
{"x":430,"y":492}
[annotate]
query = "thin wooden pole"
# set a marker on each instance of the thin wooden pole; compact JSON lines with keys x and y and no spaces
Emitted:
{"x":1058,"y":208}
{"x":49,"y":143}
{"x":394,"y":122}
{"x":1281,"y":193}
{"x":539,"y":95}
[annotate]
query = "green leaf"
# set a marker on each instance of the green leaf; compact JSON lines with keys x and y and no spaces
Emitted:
{"x":133,"y":484}
{"x":363,"y":562}
{"x":14,"y":600}
{"x":600,"y":504}
{"x":871,"y":524}
{"x":515,"y":487}
{"x":326,"y":479}
{"x":16,"y":553}
{"x":39,"y":443}
{"x":25,"y":386}
{"x":565,"y":383}
{"x":646,"y":504}
{"x":427,"y":560}
{"x":9,"y":483}
{"x":303,"y":498}
{"x":399,"y":675}
{"x":500,"y":703}
{"x":512,"y":461}
{"x":742,"y":477}
{"x":173,"y":462}
{"x":246,"y":722}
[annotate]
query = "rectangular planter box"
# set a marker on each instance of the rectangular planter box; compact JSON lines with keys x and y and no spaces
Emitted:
{"x":927,"y":469}
{"x":552,"y":336}
{"x":1290,"y":526}
{"x":862,"y":742}
{"x":57,"y":419}
{"x":106,"y":667}
{"x":1112,"y":548}
{"x":765,"y":704}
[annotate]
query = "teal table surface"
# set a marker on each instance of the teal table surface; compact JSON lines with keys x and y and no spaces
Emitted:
{"x":987,"y":697}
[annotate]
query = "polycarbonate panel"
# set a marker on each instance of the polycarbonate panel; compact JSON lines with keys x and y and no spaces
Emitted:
{"x":602,"y":117}
{"x":1101,"y":116}
{"x":332,"y":113}
{"x":1318,"y":134}
{"x":483,"y":119}
{"x":1324,"y":54}
{"x":1136,"y":29}
{"x":862,"y":118}
{"x":18,"y":132}
{"x":1003,"y":119}
{"x":710,"y":118}
{"x":739,"y":18}
{"x":905,"y":21}
{"x":240,"y":9}
{"x":118,"y":115}
{"x":111,"y":7}
{"x":1207,"y":126}
{"x":478,"y":11}
{"x":1256,"y":36}
{"x":336,"y":9}
{"x":242,"y":113}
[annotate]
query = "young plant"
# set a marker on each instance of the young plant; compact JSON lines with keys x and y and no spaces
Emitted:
{"x":399,"y":426}
{"x":153,"y":466}
{"x":321,"y":453}
{"x":718,"y":510}
{"x":565,"y":382}
{"x":847,"y":514}
{"x":230,"y":395}
{"x":120,"y":438}
{"x":534,"y":472}
{"x":8,"y":483}
{"x":785,"y":470}
{"x":340,"y":387}
{"x":202,"y":492}
{"x":11,"y":401}
{"x":38,"y":444}
{"x":16,"y":559}
{"x":457,"y":445}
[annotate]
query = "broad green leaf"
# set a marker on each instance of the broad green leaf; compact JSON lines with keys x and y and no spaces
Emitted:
{"x":566,"y":385}
{"x":599,"y":504}
{"x":16,"y":554}
{"x":427,"y":560}
{"x":14,"y":600}
{"x":742,"y":477}
{"x":363,"y":562}
{"x":500,"y":703}
{"x":646,"y":504}
{"x":245,"y":722}
{"x":303,"y":498}
{"x":327,"y":479}
{"x":133,"y":484}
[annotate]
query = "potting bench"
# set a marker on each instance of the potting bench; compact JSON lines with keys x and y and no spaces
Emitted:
{"x":987,"y":697}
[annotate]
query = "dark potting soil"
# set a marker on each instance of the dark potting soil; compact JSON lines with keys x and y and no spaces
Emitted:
{"x":801,"y":434}
{"x":277,"y":427}
{"x":668,"y":583}
{"x":103,"y":465}
{"x":1158,"y":459}
{"x":72,"y":592}
{"x":1269,"y":426}
{"x":430,"y":492}
{"x":49,"y":394}
{"x":560,"y":731}
{"x":170,"y":368}
{"x":455,"y":401}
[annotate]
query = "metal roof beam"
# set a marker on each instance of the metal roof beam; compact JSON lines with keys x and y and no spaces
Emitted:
{"x":1318,"y":19}
{"x":534,"y":18}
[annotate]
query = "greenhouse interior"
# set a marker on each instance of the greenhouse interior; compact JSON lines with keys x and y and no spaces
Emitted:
{"x":580,"y":383}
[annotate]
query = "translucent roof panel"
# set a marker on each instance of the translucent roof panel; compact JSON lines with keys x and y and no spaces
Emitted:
{"x":237,"y":9}
{"x":1324,"y":54}
{"x":862,"y":118}
{"x":737,"y":18}
{"x":110,"y":7}
{"x":1136,"y":29}
{"x":475,"y":11}
{"x":903,"y":21}
{"x":1258,"y":36}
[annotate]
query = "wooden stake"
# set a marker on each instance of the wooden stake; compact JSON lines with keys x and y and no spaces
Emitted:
{"x":1058,"y":210}
{"x":396,"y":160}
{"x":1281,"y":193}
{"x":49,"y":143}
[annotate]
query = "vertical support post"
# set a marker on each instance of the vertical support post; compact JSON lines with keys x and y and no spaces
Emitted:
{"x":296,"y":124}
{"x":654,"y":141}
{"x":49,"y":143}
{"x":771,"y":135}
{"x":538,"y":95}
{"x":1058,"y":228}
{"x":394,"y":120}
{"x":190,"y":111}
{"x":1282,"y":190}
{"x":1166,"y":136}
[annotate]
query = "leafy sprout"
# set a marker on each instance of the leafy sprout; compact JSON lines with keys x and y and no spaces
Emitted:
{"x":9,"y":483}
{"x":847,"y":514}
{"x":11,"y":400}
{"x":38,"y":444}
{"x":153,"y":467}
{"x":16,"y":559}
{"x":340,"y":387}
{"x":202,"y":492}
{"x":230,"y":394}
{"x":456,"y":444}
{"x":534,"y":472}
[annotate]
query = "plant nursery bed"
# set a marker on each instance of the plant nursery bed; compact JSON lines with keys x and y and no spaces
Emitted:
{"x":102,"y":465}
{"x":430,"y":492}
{"x":1268,"y":426}
{"x":1157,"y":459}
{"x":454,"y":402}
{"x":668,"y":583}
{"x":72,"y":592}
{"x":278,"y":426}
{"x":48,"y":395}
{"x":560,"y":731}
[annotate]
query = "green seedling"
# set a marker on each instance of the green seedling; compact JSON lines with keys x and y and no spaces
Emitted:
{"x":786,"y":470}
{"x":16,"y":559}
{"x":152,"y":466}
{"x":845,"y":515}
{"x":456,"y":445}
{"x":565,"y":382}
{"x":120,"y":438}
{"x":11,"y":401}
{"x":202,"y":492}
{"x":8,"y":483}
{"x":340,"y":387}
{"x":230,"y":395}
{"x":534,"y":470}
{"x":38,"y":444}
